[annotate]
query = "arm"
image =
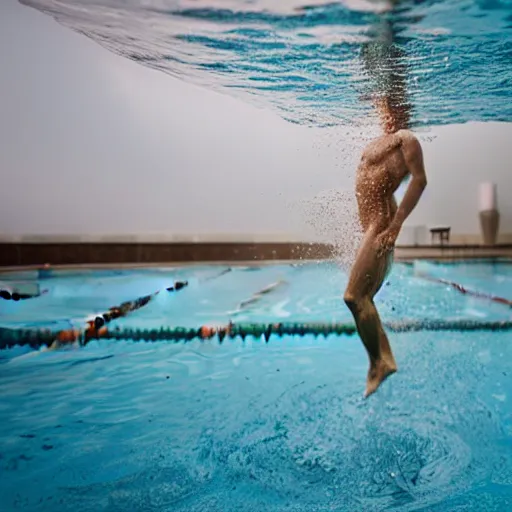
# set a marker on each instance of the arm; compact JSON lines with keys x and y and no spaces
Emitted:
{"x":413,"y":156}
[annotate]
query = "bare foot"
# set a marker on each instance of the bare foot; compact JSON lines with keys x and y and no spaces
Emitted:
{"x":378,"y":373}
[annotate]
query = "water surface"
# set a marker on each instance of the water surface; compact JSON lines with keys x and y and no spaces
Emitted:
{"x":319,"y":63}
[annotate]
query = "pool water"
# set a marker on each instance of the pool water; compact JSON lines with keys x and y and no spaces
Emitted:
{"x":316,"y":62}
{"x":248,"y":426}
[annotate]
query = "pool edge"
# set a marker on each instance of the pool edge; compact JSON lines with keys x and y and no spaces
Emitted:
{"x":24,"y":255}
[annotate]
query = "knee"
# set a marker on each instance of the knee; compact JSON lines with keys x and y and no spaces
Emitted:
{"x":356,"y":303}
{"x":352,"y":301}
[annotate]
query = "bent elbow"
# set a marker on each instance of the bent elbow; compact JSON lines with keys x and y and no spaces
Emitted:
{"x":422,"y":182}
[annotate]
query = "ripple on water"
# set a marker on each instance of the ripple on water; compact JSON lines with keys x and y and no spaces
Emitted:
{"x":260,"y":427}
{"x":322,"y":455}
{"x":311,"y":62}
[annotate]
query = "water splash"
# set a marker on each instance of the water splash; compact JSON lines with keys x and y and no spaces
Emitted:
{"x":332,"y":215}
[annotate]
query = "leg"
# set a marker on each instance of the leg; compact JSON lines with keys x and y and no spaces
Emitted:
{"x":366,"y":278}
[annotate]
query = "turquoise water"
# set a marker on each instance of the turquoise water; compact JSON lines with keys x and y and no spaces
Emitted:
{"x":253,"y":426}
{"x":319,"y":63}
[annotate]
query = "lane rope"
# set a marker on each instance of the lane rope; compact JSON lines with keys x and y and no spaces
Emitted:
{"x":94,"y":324}
{"x":466,"y":291}
{"x":37,"y":338}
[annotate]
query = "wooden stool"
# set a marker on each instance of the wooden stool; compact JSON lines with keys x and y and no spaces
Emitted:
{"x":442,"y":233}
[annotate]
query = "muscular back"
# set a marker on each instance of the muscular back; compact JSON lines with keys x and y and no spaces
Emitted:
{"x":382,"y":168}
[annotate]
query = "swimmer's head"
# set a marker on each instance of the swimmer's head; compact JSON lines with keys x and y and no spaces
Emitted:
{"x":386,"y":66}
{"x":394,"y":115}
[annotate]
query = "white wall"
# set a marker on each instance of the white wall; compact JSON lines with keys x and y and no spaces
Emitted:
{"x":457,"y":161}
{"x":92,"y":144}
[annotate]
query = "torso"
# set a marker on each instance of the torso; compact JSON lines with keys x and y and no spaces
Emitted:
{"x":380,"y":172}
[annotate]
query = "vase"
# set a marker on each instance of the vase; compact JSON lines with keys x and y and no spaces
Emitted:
{"x":490,"y":223}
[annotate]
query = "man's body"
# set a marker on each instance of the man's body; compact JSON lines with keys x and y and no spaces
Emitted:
{"x":385,"y":163}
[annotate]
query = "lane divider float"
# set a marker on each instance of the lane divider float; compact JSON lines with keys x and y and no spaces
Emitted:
{"x":465,"y":291}
{"x":95,"y":325}
{"x":37,"y":338}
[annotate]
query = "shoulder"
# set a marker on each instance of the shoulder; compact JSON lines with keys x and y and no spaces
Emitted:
{"x":406,"y":137}
{"x":408,"y":141}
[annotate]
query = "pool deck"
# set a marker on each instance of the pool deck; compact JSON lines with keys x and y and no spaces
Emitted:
{"x":17,"y":255}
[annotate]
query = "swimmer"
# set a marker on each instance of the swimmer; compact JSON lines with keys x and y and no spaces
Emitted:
{"x":385,"y":163}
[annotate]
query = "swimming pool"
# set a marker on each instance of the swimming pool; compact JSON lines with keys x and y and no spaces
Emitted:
{"x":249,"y":425}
